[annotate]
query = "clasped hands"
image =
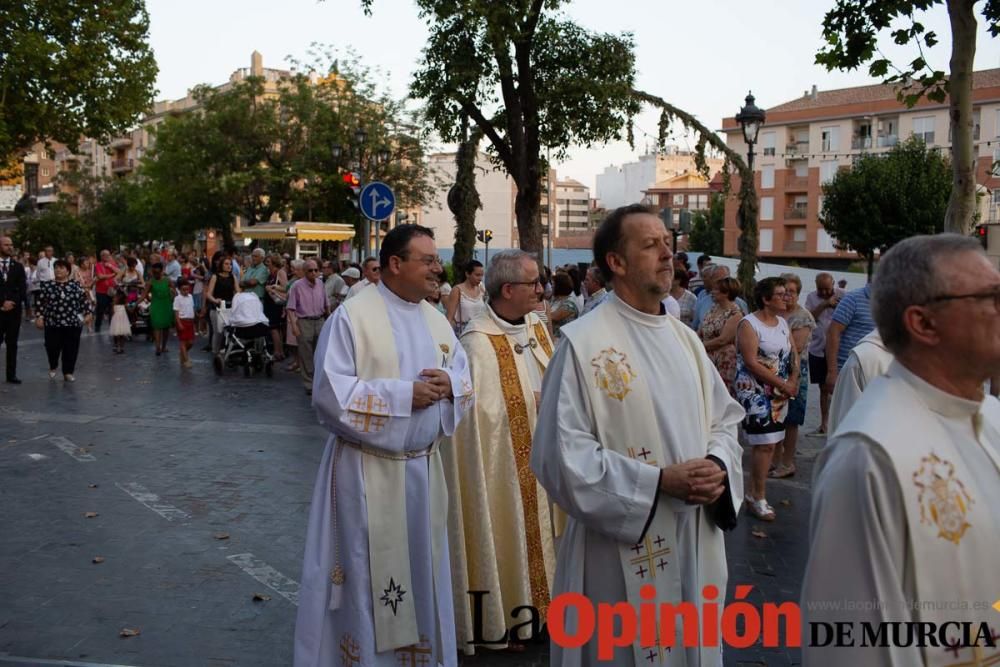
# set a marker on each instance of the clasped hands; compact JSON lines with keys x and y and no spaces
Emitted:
{"x":696,"y":482}
{"x":436,"y":386}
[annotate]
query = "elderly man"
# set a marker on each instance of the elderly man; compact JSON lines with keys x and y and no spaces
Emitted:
{"x":711,"y":274}
{"x":596,"y":289}
{"x":371,"y":271}
{"x":307,"y":308}
{"x":255,"y":276}
{"x":392,"y":381}
{"x":336,"y":288}
{"x":495,"y":501}
{"x":906,"y":492}
{"x":172,"y":270}
{"x":851,"y":321}
{"x":821,"y":303}
{"x":636,"y":442}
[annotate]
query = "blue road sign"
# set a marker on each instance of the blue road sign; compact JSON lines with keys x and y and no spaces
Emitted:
{"x":377,"y":201}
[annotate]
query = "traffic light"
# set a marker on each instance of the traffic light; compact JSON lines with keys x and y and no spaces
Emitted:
{"x":982,"y":232}
{"x":353,"y":182}
{"x":485,"y":236}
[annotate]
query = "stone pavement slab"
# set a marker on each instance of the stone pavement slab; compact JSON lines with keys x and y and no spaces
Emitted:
{"x":169,"y":461}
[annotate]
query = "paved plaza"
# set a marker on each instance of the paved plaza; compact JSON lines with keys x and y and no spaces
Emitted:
{"x":173,"y":504}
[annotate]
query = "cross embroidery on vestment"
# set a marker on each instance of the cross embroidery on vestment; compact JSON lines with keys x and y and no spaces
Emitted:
{"x":369,"y":414}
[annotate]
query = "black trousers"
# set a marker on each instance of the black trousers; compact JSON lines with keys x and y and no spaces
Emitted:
{"x":10,"y":329}
{"x":104,"y":307}
{"x":64,"y":342}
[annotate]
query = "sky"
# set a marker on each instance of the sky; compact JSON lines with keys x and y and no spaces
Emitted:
{"x":702,"y":56}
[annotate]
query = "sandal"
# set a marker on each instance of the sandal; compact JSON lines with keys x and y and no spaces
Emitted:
{"x":818,"y":433}
{"x":782,"y":471}
{"x":761,"y":510}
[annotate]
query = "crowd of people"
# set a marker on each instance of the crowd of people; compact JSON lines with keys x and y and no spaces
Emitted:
{"x":566,"y":431}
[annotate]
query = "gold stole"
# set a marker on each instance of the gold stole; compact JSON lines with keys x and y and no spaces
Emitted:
{"x":624,"y":422}
{"x":949,"y":530}
{"x":376,"y":357}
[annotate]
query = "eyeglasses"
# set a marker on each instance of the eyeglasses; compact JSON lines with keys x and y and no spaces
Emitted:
{"x":311,"y":270}
{"x":426,"y":260}
{"x":993,"y":293}
{"x":533,"y":283}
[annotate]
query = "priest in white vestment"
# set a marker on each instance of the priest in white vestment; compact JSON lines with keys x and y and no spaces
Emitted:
{"x":905,"y":501}
{"x":636,"y":442}
{"x":391,"y":381}
{"x":867,"y":360}
{"x":501,"y":531}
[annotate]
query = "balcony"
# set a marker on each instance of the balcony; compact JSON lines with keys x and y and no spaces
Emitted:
{"x":797,"y":148}
{"x":795,"y":246}
{"x":793,"y":182}
{"x":887,"y":141}
{"x":861,"y":143}
{"x":796,"y":213}
{"x":120,"y":142}
{"x":124,"y":164}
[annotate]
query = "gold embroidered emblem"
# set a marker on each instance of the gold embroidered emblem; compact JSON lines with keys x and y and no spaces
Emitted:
{"x":943,"y":499}
{"x":613,"y":373}
{"x":445,"y":348}
{"x":415,"y":655}
{"x":369,"y":414}
{"x":350,"y":651}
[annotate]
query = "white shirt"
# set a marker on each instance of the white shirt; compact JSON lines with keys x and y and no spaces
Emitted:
{"x":43,"y":270}
{"x":184,"y":306}
{"x":357,"y":287}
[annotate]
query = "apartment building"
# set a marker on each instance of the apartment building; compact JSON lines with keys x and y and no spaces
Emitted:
{"x":573,"y":225}
{"x":626,"y":184}
{"x":804,"y":142}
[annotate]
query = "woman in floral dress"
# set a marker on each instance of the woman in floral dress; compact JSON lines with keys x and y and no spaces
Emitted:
{"x":718,"y":329}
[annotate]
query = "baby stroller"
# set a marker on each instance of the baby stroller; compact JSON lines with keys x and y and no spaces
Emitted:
{"x":245,"y":337}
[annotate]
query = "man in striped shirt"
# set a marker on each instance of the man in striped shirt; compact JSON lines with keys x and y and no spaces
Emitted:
{"x":852,"y":321}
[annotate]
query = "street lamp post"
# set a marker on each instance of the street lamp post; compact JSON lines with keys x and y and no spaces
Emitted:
{"x":750,"y":118}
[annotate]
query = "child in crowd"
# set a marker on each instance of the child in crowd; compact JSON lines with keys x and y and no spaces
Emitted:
{"x":120,"y":326}
{"x":184,"y":318}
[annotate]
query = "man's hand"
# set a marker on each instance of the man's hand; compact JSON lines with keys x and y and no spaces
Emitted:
{"x":7,"y":305}
{"x":296,"y":331}
{"x":424,"y":395}
{"x":697,"y":482}
{"x":440,"y":380}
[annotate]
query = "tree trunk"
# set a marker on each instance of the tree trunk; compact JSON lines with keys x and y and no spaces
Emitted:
{"x":747,"y":242}
{"x":961,"y":213}
{"x":227,"y":233}
{"x":465,"y":201}
{"x":527,"y":209}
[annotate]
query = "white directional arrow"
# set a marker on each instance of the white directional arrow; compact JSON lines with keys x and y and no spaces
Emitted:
{"x":378,"y":202}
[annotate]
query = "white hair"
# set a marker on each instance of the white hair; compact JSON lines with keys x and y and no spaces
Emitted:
{"x":505,"y":267}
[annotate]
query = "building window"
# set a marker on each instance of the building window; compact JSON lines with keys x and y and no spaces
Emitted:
{"x":831,"y":138}
{"x":923,"y":127}
{"x":819,"y":206}
{"x":824,"y":242}
{"x":697,"y":202}
{"x":678,"y":200}
{"x":765,"y":242}
{"x":767,"y":176}
{"x":996,"y":197}
{"x":767,"y":208}
{"x":827,"y":170}
{"x":996,"y":162}
{"x":45,"y":171}
{"x":795,"y":239}
{"x":767,"y":143}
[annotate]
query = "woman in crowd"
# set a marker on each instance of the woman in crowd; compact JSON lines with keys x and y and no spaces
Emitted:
{"x":62,"y":310}
{"x":564,"y":308}
{"x":31,"y":276}
{"x":468,"y":298}
{"x":199,"y":274}
{"x":767,"y":374}
{"x":718,"y":329}
{"x":542,"y":307}
{"x":160,"y":294}
{"x":801,"y":322}
{"x":275,"y":297}
{"x":686,"y":300}
{"x":221,"y":289}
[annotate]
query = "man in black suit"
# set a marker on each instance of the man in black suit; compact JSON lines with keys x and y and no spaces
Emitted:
{"x":13,"y":284}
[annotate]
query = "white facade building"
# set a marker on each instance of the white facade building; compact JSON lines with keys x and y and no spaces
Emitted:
{"x":619,"y":186}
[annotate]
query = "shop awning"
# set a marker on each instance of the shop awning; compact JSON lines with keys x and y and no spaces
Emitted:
{"x":268,"y":231}
{"x":331,"y":231}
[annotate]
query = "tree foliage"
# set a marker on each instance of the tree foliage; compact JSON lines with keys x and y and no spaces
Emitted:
{"x":56,"y":226}
{"x":707,"y":227}
{"x":72,"y":68}
{"x":851,"y":30}
{"x":528,"y":78}
{"x":912,"y":184}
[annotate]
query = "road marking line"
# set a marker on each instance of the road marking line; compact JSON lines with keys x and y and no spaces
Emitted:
{"x":38,"y":437}
{"x":267,"y":575}
{"x":70,"y":448}
{"x":37,"y":457}
{"x":153,"y":502}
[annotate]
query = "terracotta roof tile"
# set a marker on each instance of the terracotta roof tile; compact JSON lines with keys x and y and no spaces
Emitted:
{"x":861,"y":94}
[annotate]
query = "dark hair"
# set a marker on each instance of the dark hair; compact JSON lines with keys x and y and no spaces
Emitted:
{"x":181,"y":282}
{"x":562,"y":284}
{"x":704,"y":259}
{"x":472,"y":266}
{"x":60,"y":262}
{"x":730,"y":287}
{"x":608,"y":237}
{"x":156,"y":265}
{"x":764,"y":290}
{"x":681,"y":275}
{"x":396,"y":243}
{"x":131,"y":262}
{"x":681,"y":258}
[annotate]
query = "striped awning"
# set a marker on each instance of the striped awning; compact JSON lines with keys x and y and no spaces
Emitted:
{"x":329,"y":231}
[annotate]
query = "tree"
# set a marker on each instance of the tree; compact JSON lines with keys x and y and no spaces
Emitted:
{"x":913,"y":185}
{"x":72,"y":68}
{"x":707,"y":228}
{"x":851,"y":31}
{"x":464,"y":201}
{"x":527,"y":78}
{"x":56,"y":226}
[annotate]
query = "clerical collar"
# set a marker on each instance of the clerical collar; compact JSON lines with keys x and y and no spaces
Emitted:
{"x":627,"y":311}
{"x":514,"y":323}
{"x":941,"y":402}
{"x":395,"y":299}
